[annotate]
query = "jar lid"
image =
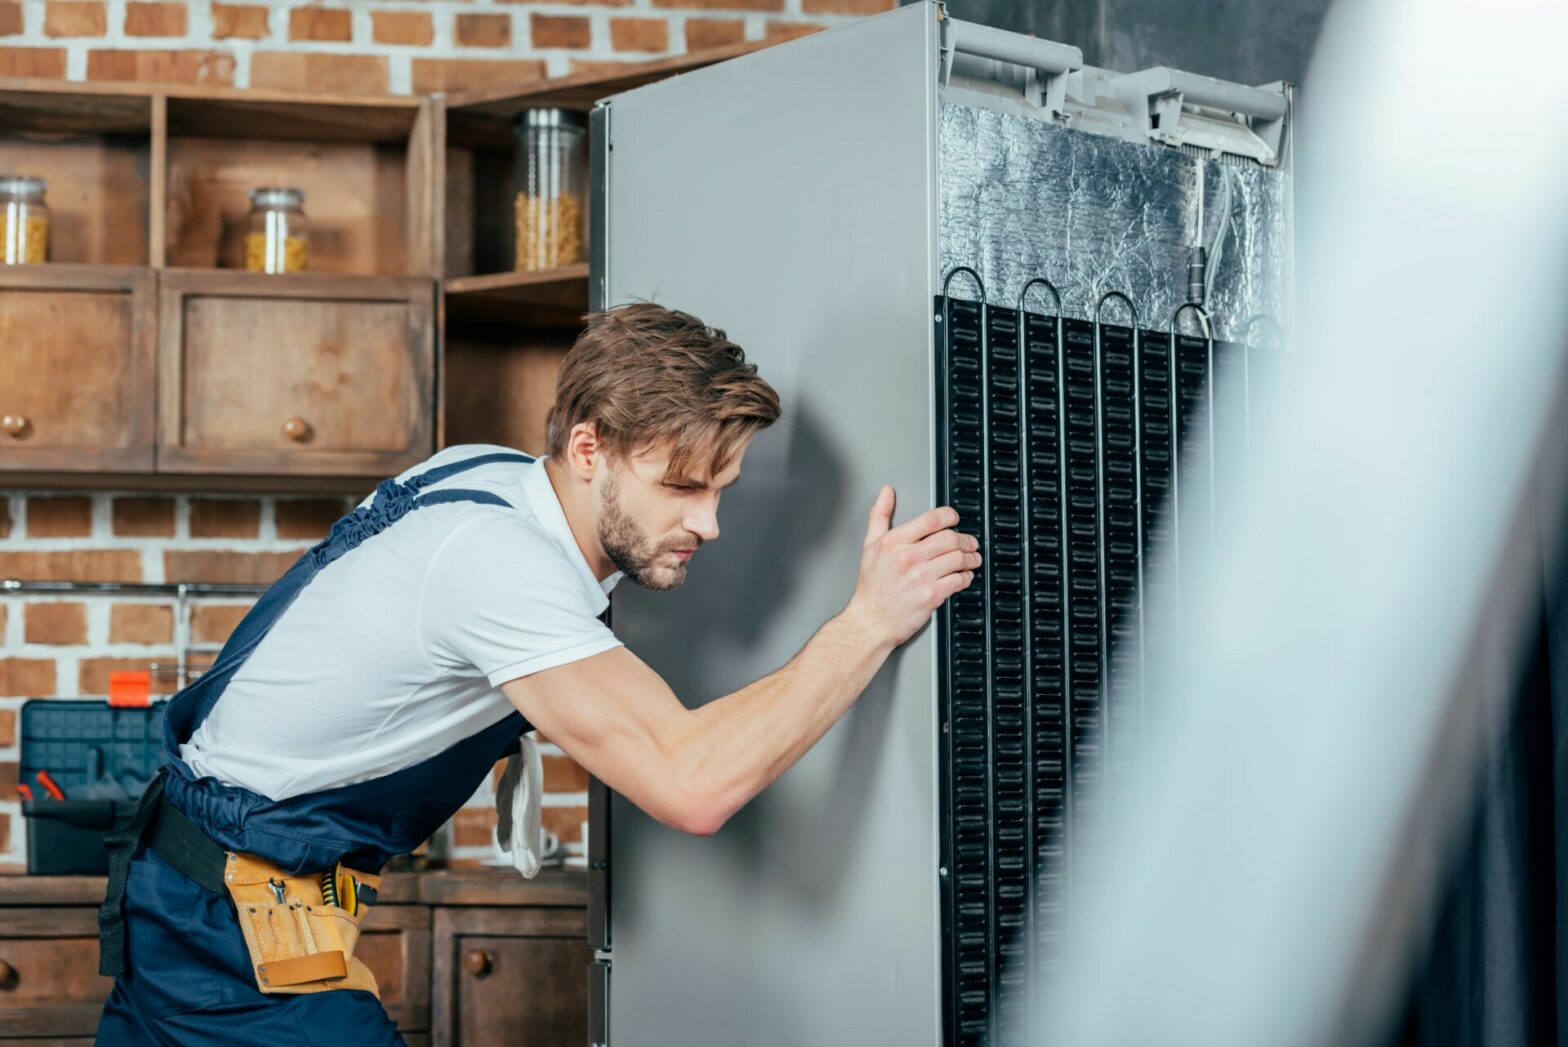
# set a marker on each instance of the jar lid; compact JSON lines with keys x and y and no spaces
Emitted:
{"x":539,"y":118}
{"x":22,"y":185}
{"x":277,"y":196}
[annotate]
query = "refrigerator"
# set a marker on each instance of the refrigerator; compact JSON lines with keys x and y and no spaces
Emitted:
{"x":993,"y":277}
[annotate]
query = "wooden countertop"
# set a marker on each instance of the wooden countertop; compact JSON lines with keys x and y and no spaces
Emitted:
{"x":502,"y":887}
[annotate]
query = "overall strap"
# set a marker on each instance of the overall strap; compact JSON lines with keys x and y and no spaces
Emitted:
{"x":441,"y":472}
{"x":394,"y":500}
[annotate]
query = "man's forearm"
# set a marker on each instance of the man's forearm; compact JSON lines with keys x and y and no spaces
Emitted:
{"x":740,"y":743}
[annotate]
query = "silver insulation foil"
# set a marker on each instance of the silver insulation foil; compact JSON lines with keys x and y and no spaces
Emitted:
{"x":1021,"y":199}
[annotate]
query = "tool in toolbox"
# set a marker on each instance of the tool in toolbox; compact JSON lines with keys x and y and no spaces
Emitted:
{"x":49,"y":784}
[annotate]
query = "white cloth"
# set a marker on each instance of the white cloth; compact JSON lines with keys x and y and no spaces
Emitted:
{"x":396,"y":651}
{"x":517,"y":829}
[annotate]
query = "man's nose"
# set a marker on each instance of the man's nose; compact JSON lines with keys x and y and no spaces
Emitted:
{"x":704,"y":524}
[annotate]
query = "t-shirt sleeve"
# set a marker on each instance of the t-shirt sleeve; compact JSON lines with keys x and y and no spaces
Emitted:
{"x":503,"y":599}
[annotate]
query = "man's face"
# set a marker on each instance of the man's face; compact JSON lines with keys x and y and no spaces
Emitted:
{"x":650,"y":524}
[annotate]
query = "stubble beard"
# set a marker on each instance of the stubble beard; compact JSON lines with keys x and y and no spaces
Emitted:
{"x":630,"y":549}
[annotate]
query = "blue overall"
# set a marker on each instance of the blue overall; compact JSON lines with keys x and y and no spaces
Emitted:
{"x":188,"y":978}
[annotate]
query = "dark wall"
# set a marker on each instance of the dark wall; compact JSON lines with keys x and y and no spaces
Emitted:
{"x":1249,"y":41}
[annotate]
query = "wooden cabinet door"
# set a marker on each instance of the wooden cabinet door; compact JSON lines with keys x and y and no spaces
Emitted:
{"x":49,"y":984}
{"x":510,"y":976}
{"x":283,"y":375}
{"x":394,"y":942}
{"x":77,"y":390}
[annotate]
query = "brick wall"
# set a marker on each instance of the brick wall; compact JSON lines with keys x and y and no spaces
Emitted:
{"x":65,"y":646}
{"x":381,"y":46}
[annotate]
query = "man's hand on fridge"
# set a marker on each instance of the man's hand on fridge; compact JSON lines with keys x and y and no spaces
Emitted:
{"x":906,"y":572}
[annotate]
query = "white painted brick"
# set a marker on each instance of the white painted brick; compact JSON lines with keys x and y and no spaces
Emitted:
{"x":116,"y":13}
{"x":563,"y":800}
{"x":198,"y":20}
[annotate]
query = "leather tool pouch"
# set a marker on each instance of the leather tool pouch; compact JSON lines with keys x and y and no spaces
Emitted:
{"x":297,"y":942}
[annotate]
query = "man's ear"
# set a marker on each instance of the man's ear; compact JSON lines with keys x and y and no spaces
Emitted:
{"x":584,"y":453}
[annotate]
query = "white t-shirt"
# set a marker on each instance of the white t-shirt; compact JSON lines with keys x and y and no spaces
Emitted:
{"x":396,"y":651}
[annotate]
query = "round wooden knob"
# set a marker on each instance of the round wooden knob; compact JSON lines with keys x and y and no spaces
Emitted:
{"x":7,"y":975}
{"x":476,"y":962}
{"x":15,"y":424}
{"x":297,"y":429}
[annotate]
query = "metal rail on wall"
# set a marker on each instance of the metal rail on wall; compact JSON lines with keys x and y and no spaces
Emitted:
{"x":183,"y":592}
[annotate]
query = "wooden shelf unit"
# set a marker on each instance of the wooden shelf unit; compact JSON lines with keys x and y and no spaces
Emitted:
{"x":148,"y":194}
{"x":546,"y":297}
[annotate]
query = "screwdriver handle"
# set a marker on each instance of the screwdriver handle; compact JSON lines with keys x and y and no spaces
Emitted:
{"x":49,"y":785}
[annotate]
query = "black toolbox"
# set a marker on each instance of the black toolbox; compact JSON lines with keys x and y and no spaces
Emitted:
{"x":101,"y":757}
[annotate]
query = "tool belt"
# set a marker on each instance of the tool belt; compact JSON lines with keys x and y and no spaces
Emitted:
{"x":300,"y":931}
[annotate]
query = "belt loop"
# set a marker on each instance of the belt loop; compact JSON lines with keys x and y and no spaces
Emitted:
{"x":121,"y":844}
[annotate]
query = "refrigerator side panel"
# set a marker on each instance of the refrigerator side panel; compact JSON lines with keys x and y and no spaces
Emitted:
{"x":787,"y":197}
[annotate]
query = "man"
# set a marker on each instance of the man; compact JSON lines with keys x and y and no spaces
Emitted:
{"x":369,"y":692}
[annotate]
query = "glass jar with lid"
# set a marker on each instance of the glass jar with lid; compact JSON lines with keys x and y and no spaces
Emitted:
{"x":24,"y":220}
{"x":277,"y":237}
{"x":551,"y":187}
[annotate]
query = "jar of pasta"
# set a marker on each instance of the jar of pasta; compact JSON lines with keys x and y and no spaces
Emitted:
{"x":277,"y":239}
{"x":551,"y":183}
{"x":24,"y":220}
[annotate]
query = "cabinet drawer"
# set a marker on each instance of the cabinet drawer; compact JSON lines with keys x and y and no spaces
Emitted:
{"x":50,"y":985}
{"x":394,"y":942}
{"x":510,"y":976}
{"x":309,"y":374}
{"x":76,"y":372}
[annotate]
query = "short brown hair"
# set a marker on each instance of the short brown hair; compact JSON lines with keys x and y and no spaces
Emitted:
{"x":645,"y":375}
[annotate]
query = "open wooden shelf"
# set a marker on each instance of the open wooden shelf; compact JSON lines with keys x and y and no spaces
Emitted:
{"x":95,"y":151}
{"x":500,"y":383}
{"x":543,"y":298}
{"x":477,"y":214}
{"x":24,"y":106}
{"x":372,"y":119}
{"x":366,"y":166}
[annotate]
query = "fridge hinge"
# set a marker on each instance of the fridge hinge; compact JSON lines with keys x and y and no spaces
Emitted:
{"x":1039,"y":69}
